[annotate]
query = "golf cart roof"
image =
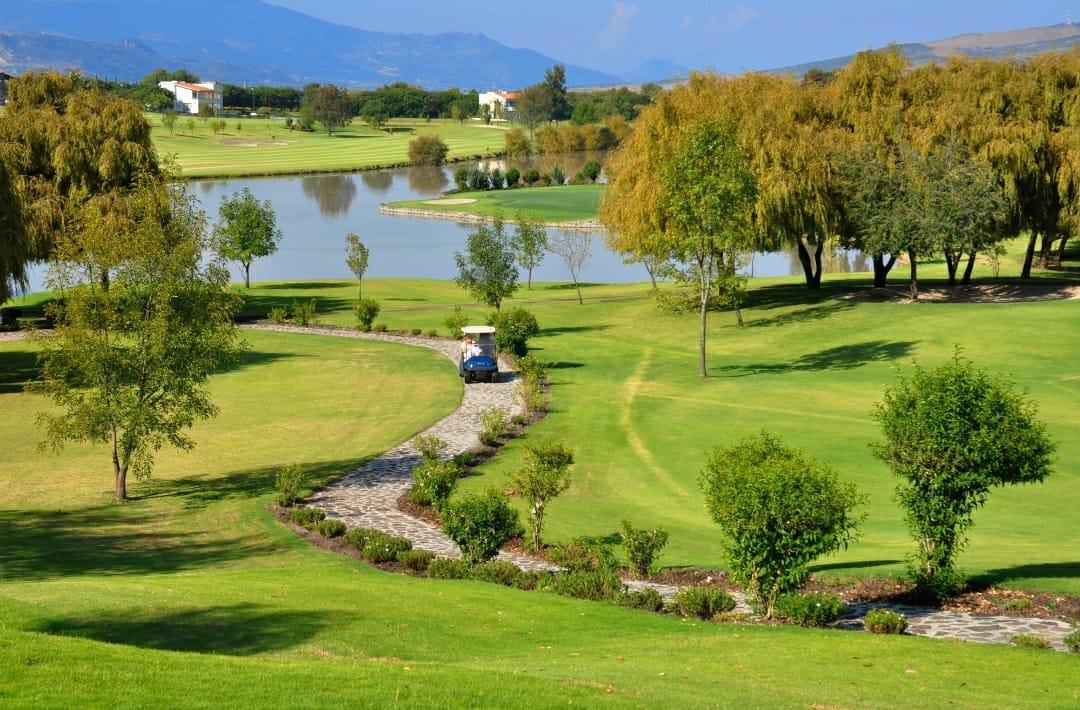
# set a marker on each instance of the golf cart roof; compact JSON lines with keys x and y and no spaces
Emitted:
{"x":478,"y":330}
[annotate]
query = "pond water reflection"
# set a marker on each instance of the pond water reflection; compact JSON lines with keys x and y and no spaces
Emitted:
{"x":315,"y":212}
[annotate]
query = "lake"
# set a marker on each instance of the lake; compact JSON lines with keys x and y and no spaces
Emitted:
{"x":315,"y":212}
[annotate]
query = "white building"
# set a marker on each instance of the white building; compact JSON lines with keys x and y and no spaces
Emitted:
{"x":188,"y":97}
{"x":500,"y":103}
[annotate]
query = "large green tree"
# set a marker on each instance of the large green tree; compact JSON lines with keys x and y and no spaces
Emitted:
{"x":144,"y":322}
{"x":329,"y":105}
{"x":246,"y":230}
{"x":486,"y":268}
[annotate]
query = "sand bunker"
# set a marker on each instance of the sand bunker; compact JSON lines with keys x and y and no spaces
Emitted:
{"x":451,"y":201}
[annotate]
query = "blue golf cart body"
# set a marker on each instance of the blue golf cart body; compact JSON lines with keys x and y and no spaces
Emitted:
{"x":482,"y":367}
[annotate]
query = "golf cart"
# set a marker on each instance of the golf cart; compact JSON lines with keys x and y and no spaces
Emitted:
{"x":477,"y":362}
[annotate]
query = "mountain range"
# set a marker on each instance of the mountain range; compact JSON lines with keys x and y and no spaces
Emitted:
{"x":254,"y":42}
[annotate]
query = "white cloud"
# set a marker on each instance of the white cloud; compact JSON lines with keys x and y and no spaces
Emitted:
{"x":736,"y":18}
{"x":621,"y":17}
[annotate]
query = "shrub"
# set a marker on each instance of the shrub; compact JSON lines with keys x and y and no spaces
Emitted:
{"x":380,"y":327}
{"x":433,"y":333}
{"x":497,"y":572}
{"x":531,"y":177}
{"x":416,"y":560}
{"x":428,"y":149}
{"x":513,"y":176}
{"x":779,"y":509}
{"x":557,"y":176}
{"x":1030,"y":641}
{"x":642,"y":547}
{"x":331,"y":528}
{"x":462,"y":460}
{"x":530,"y":396}
{"x":303,"y":314}
{"x":288,"y":484}
{"x":591,"y":171}
{"x":544,"y":474}
{"x":703,"y":602}
{"x":513,"y":328}
{"x":1072,"y":641}
{"x":278,"y":315}
{"x":517,"y":420}
{"x":480,"y":524}
{"x":358,"y":537}
{"x":456,"y":321}
{"x":430,"y":448}
{"x":646,"y":598}
{"x":381,"y":547}
{"x":461,"y":179}
{"x":596,"y":586}
{"x":814,"y":609}
{"x":366,"y":310}
{"x":517,"y":143}
{"x":952,"y":434}
{"x":495,"y":179}
{"x":446,"y":568}
{"x":884,"y":621}
{"x":584,"y":555}
{"x":433,"y":482}
{"x":531,"y":369}
{"x":415,"y":331}
{"x":493,"y":425}
{"x":307,"y":517}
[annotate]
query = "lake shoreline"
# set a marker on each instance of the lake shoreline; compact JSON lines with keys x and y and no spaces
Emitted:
{"x":587,"y":225}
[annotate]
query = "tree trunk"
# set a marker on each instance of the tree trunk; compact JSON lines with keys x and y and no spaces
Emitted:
{"x":969,"y":268}
{"x":1061,"y":252}
{"x":1025,"y":273}
{"x":247,"y":274}
{"x":119,"y":470}
{"x":580,"y":300}
{"x":649,"y":270}
{"x":952,"y":263}
{"x":811,"y":270}
{"x":1044,"y":252}
{"x":530,"y":279}
{"x":882,"y":268}
{"x":735,"y":295}
{"x":706,"y":284}
{"x":914,"y":276}
{"x":360,"y":286}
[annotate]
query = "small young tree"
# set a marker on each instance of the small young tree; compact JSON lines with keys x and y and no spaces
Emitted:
{"x":952,"y":434}
{"x":428,"y":149}
{"x":168,"y":119}
{"x":356,"y":257}
{"x":529,"y":243}
{"x":574,"y":247}
{"x":544,"y":475}
{"x":591,"y":171}
{"x":486,"y":268}
{"x":642,"y":546}
{"x":246,"y":230}
{"x":145,"y":320}
{"x":517,"y":143}
{"x":779,"y":510}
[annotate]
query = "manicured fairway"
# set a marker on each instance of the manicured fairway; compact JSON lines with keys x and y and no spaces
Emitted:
{"x":193,"y":595}
{"x":626,"y":396}
{"x":265,"y":147}
{"x":566,"y":203}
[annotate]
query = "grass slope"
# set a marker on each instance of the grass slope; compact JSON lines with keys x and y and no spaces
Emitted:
{"x":193,"y":595}
{"x":562,"y":203}
{"x":265,"y":147}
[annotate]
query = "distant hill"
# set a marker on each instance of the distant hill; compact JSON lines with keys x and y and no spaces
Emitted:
{"x":255,"y":42}
{"x":1013,"y":43}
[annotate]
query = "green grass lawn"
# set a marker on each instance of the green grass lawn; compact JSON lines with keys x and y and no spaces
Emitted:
{"x":193,"y":595}
{"x":563,"y":203}
{"x":626,"y":395}
{"x":265,"y":147}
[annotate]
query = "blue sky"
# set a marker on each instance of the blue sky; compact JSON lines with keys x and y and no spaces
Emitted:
{"x":728,"y":36}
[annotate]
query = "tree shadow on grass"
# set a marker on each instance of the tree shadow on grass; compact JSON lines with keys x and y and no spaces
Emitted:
{"x":305,"y":285}
{"x":255,"y":358}
{"x":1041,"y":570}
{"x":238,"y":629}
{"x":257,"y":306}
{"x":841,"y":566}
{"x":842,"y":357}
{"x":17,"y":367}
{"x":574,"y":329}
{"x":809,"y":314}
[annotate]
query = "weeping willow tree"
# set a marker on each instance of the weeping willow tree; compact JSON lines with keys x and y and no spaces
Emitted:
{"x":61,"y":144}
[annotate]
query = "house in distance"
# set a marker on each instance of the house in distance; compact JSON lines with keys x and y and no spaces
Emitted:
{"x":189,"y":97}
{"x":499,"y":103}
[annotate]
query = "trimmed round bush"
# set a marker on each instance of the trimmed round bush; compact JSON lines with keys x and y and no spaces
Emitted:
{"x":447,"y":568}
{"x":416,"y":560}
{"x":814,"y":609}
{"x":382,"y":548}
{"x":358,"y":537}
{"x":433,"y":482}
{"x":884,"y":621}
{"x":595,"y":586}
{"x":480,"y":524}
{"x":497,"y":572}
{"x":331,"y":528}
{"x":513,"y":328}
{"x":307,"y":517}
{"x":584,"y":555}
{"x":647,"y":598}
{"x":366,"y":311}
{"x":703,"y":602}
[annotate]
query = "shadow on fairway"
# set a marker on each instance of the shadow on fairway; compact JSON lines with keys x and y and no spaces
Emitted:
{"x":237,"y":630}
{"x":254,"y":358}
{"x":305,"y":285}
{"x":259,"y":305}
{"x":804,"y":315}
{"x":573,"y":329}
{"x":842,"y":357}
{"x":864,"y":564}
{"x":1044,"y":570}
{"x":17,"y":367}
